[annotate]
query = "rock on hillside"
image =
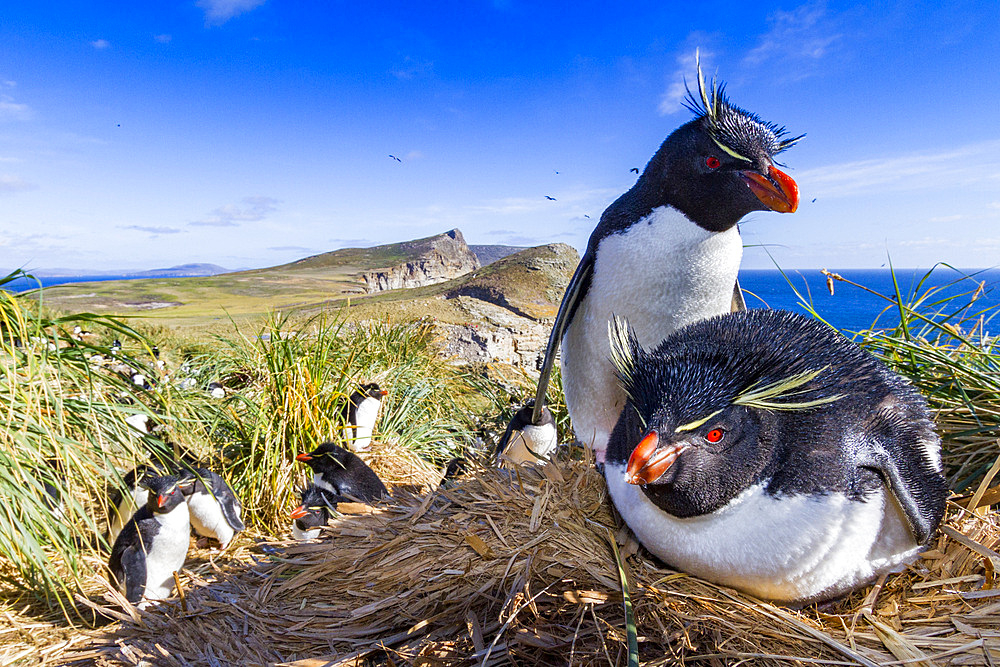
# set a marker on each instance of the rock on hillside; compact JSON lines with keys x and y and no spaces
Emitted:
{"x":436,"y":259}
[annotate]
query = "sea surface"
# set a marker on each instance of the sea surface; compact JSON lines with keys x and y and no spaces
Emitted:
{"x":849,"y":308}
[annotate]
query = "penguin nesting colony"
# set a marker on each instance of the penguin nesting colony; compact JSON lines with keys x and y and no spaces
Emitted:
{"x":343,"y":473}
{"x":666,"y":253}
{"x":216,"y":512}
{"x":360,"y":414}
{"x":525,"y":442}
{"x":153,"y":544}
{"x":764,"y":451}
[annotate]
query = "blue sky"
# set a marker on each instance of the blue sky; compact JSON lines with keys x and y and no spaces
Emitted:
{"x":249,"y":133}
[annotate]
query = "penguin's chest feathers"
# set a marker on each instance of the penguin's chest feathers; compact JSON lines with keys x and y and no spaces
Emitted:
{"x":168,"y":551}
{"x":208,"y":519}
{"x":541,"y":440}
{"x":662,"y":273}
{"x":790,"y":548}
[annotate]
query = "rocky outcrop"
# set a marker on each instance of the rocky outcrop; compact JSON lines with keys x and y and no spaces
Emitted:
{"x":435,"y":260}
{"x":498,"y":336}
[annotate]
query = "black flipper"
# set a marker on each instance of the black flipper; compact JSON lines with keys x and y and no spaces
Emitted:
{"x":128,"y":562}
{"x":578,"y":286}
{"x":895,"y":450}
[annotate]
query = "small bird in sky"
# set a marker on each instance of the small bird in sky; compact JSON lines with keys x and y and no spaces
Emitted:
{"x":550,"y":198}
{"x":556,"y":171}
{"x":395,"y":158}
{"x":586,"y":216}
{"x":634,"y":170}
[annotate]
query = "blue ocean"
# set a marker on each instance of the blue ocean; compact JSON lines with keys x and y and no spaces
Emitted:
{"x":849,"y":308}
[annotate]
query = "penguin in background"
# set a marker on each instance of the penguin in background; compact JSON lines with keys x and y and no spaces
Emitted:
{"x":667,"y":252}
{"x":762,"y":450}
{"x":316,"y":507}
{"x":342,"y":473}
{"x":216,"y":511}
{"x":153,"y":544}
{"x":525,"y":442}
{"x":360,"y":414}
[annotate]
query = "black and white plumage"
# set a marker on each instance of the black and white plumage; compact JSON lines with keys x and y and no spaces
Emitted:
{"x":666,"y":253}
{"x":360,"y":414}
{"x":524,"y":442}
{"x":343,"y":473}
{"x":764,"y":451}
{"x":216,"y":511}
{"x":315,"y":509}
{"x":153,"y":545}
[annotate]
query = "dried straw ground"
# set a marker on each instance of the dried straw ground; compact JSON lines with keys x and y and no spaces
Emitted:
{"x":517,"y":568}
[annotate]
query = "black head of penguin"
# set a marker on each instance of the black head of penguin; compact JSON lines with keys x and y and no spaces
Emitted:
{"x":315,"y":508}
{"x":774,"y":398}
{"x":714,"y":169}
{"x":165,"y":493}
{"x":344,"y":472}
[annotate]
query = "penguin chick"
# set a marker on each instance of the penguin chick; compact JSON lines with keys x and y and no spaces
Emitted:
{"x":524,"y":442}
{"x":667,"y":252}
{"x":342,"y":473}
{"x":360,"y":414}
{"x":216,"y":511}
{"x":315,"y":509}
{"x":153,"y":544}
{"x":764,"y":451}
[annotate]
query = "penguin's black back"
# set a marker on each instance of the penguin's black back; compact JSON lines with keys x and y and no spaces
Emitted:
{"x":347,"y":473}
{"x":211,"y":483}
{"x":128,"y":555}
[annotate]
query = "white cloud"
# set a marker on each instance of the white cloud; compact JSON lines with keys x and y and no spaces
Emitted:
{"x":797,"y":39}
{"x":218,"y":12}
{"x":250,"y":209}
{"x":156,"y":231}
{"x":101,"y":44}
{"x":960,"y":167}
{"x":10,"y":183}
{"x":10,"y":110}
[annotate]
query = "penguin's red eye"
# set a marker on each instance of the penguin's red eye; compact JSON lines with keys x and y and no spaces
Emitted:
{"x":715,"y":435}
{"x":713,"y":162}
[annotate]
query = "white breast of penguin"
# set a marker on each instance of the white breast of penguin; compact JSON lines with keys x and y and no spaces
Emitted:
{"x":542,"y":440}
{"x":207,"y":518}
{"x":167,"y":553}
{"x":782,"y":548}
{"x":365,"y":416}
{"x":662,"y":273}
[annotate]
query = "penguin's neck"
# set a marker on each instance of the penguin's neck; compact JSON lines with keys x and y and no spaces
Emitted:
{"x":179,"y":518}
{"x":664,"y":272}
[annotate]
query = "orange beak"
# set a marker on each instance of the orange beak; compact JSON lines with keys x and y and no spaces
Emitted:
{"x":161,"y":500}
{"x":299,"y":512}
{"x":778,"y":191}
{"x":649,"y":461}
{"x":383,"y":393}
{"x":303,"y":457}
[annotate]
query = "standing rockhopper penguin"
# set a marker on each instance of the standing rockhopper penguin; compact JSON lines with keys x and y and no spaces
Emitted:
{"x":360,"y":415}
{"x":153,"y":544}
{"x":666,"y":253}
{"x":762,"y":450}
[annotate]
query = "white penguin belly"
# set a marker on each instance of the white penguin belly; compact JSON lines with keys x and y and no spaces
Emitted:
{"x":663,"y":273}
{"x":299,"y":534}
{"x":540,"y":440}
{"x":167,"y":553}
{"x":791,"y":548}
{"x":365,"y":415}
{"x":207,"y":518}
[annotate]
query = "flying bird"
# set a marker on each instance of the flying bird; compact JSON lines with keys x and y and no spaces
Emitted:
{"x":395,"y":158}
{"x":634,"y":170}
{"x":666,"y":253}
{"x":550,"y":198}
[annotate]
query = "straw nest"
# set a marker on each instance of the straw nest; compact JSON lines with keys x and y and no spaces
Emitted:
{"x":517,"y":568}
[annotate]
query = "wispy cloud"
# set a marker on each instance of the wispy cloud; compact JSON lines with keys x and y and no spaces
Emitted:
{"x":351,"y":243}
{"x":9,"y":183}
{"x":291,"y":248}
{"x":797,"y":39}
{"x":156,"y":231}
{"x":101,"y":44}
{"x":411,"y":68}
{"x":163,"y":39}
{"x":218,"y":12}
{"x":960,"y":167}
{"x":11,"y":110}
{"x":250,"y":209}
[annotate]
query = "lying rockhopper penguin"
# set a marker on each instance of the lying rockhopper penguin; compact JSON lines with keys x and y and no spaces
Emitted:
{"x":762,"y":450}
